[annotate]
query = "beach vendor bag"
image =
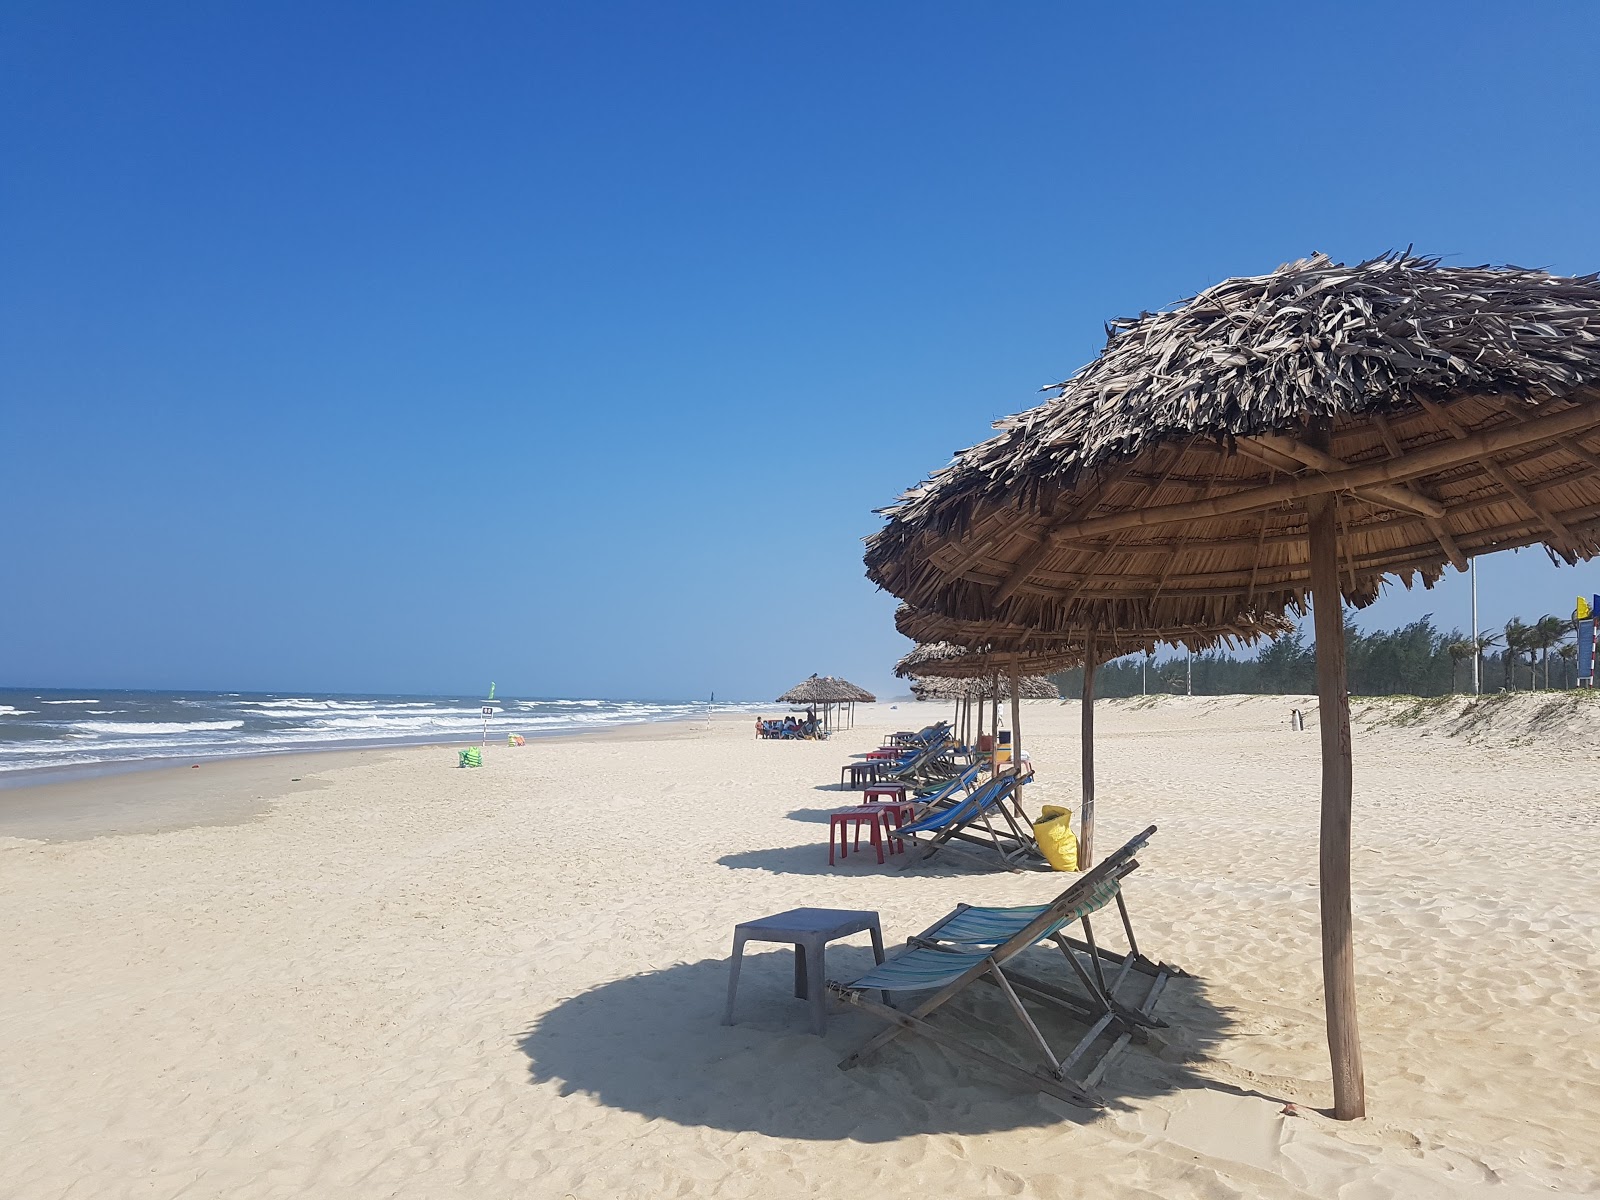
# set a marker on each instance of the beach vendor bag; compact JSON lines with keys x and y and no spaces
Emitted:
{"x":1053,"y":832}
{"x":471,"y":758}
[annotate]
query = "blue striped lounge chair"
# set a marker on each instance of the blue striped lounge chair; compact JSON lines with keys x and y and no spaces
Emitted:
{"x":975,"y":943}
{"x":983,"y":818}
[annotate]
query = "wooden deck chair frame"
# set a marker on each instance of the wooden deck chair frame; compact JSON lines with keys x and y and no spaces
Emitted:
{"x":1103,"y":995}
{"x":1015,"y":851}
{"x":1057,"y":1080}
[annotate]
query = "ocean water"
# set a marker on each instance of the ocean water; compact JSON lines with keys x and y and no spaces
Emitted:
{"x":63,"y":731}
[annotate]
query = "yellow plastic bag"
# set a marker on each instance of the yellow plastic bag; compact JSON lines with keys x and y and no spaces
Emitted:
{"x":1053,"y":832}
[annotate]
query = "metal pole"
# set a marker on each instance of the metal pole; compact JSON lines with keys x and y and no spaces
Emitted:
{"x":1477,"y":650}
{"x":1189,"y":669}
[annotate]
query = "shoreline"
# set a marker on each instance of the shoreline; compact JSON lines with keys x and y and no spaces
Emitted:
{"x":34,"y":776}
{"x":163,"y":795}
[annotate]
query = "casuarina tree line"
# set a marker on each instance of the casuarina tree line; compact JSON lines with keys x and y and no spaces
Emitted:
{"x":1418,"y":659}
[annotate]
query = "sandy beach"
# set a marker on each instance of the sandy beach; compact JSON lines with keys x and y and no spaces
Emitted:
{"x":374,"y":975}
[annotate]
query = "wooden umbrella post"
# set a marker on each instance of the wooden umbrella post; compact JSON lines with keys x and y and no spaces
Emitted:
{"x":1333,"y":712}
{"x":1016,"y":732}
{"x":1086,"y":822}
{"x":1016,"y":716}
{"x":980,"y":706}
{"x":994,"y":723}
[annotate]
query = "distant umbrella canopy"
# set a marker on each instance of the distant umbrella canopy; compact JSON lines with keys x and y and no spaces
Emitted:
{"x":1030,"y":687}
{"x":941,"y":660}
{"x":825,"y":689}
{"x":1056,"y":651}
{"x":1451,"y":409}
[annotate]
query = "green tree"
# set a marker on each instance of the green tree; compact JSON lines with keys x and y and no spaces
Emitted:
{"x":1568,"y":654}
{"x":1459,"y":653}
{"x":1547,"y":634}
{"x":1517,"y":638}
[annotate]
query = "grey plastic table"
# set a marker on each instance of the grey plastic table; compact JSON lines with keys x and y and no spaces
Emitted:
{"x":809,"y":930}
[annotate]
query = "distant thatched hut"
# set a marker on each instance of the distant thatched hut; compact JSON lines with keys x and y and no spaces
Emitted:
{"x":826,"y":694}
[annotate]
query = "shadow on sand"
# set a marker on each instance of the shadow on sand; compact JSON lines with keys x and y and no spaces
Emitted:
{"x":653,"y":1044}
{"x":818,"y":815}
{"x":812,"y":859}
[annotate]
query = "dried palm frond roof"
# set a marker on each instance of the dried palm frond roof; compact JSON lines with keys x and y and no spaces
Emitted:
{"x":1453,"y":411}
{"x":825,"y":689}
{"x":945,"y":661}
{"x":1030,"y":687}
{"x":1001,"y":641}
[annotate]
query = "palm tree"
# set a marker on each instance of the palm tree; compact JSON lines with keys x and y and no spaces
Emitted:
{"x":1486,"y":640}
{"x":1516,"y":635}
{"x":1547,"y":632}
{"x":1459,"y":653}
{"x":1568,"y":653}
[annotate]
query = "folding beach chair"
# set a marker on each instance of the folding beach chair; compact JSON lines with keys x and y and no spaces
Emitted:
{"x":1109,"y":975}
{"x":974,"y":820}
{"x":903,"y":739}
{"x":948,"y":792}
{"x":947,"y":967}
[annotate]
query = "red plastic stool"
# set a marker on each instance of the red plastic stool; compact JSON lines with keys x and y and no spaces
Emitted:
{"x":893,"y":816}
{"x":897,"y":790}
{"x":839,"y":823}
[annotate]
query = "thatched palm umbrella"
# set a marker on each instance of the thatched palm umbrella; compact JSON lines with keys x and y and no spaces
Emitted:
{"x":990,"y":678}
{"x":1031,"y":687}
{"x":826,"y":691}
{"x":1313,"y":430}
{"x":1055,"y":651}
{"x":970,"y":679}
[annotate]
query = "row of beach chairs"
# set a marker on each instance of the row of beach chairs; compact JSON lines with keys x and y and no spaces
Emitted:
{"x":956,"y":807}
{"x":947,"y":799}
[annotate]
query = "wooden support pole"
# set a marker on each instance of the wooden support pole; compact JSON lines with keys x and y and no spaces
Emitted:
{"x":1333,"y":711}
{"x":1016,"y":717}
{"x":1016,"y":734}
{"x":1086,"y":820}
{"x":994,"y":721}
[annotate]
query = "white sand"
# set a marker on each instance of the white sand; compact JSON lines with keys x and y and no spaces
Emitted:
{"x":419,"y":982}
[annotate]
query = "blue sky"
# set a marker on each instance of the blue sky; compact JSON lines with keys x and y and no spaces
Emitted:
{"x":400,"y":347}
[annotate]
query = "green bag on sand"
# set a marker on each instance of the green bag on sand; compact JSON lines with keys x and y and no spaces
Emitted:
{"x":1053,"y":832}
{"x":471,"y":758}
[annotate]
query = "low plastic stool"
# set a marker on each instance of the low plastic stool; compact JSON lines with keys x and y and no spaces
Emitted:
{"x":891,"y":817}
{"x":897,"y":790}
{"x":839,"y":827}
{"x":809,"y":930}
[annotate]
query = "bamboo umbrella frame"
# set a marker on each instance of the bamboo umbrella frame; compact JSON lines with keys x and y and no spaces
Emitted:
{"x":1088,"y":649}
{"x":1308,"y":433}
